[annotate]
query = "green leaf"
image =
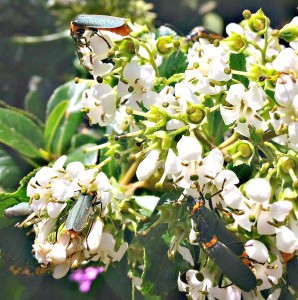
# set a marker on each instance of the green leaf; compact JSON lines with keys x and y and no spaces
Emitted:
{"x":69,"y":123}
{"x":86,"y":158}
{"x":34,"y":102}
{"x":243,"y":172}
{"x":10,"y":199}
{"x":53,"y":122}
{"x":175,"y":63}
{"x":19,"y":132}
{"x":117,"y":279}
{"x":216,"y":126}
{"x":159,"y":276}
{"x":270,"y":94}
{"x":10,"y":173}
{"x":238,"y":62}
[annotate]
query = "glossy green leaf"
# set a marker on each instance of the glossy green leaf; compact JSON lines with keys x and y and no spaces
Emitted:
{"x":86,"y":158}
{"x":216,"y":127}
{"x":10,"y":199}
{"x":238,"y":62}
{"x":176,"y":63}
{"x":10,"y":173}
{"x":19,"y":132}
{"x":159,"y":276}
{"x":69,"y":123}
{"x":53,"y":122}
{"x":34,"y":102}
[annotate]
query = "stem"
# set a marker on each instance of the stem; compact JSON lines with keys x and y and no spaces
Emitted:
{"x":103,"y":163}
{"x":228,"y":142}
{"x":98,"y":147}
{"x":125,"y":180}
{"x":41,"y":39}
{"x":203,"y":139}
{"x":267,"y":152}
{"x":152,"y":61}
{"x":178,"y":131}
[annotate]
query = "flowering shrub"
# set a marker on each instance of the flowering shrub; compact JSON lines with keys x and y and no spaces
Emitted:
{"x":180,"y":120}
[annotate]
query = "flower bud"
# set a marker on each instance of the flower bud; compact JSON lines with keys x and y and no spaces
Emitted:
{"x":258,"y":22}
{"x":289,"y":33}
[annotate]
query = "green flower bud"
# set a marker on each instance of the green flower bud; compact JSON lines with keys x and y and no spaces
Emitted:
{"x":258,"y":22}
{"x":289,"y":33}
{"x":165,"y":46}
{"x":236,"y":42}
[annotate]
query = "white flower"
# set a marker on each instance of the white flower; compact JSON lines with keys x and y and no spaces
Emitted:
{"x":57,"y":255}
{"x":260,"y":194}
{"x":245,"y":104}
{"x":286,"y":60}
{"x":139,"y":82}
{"x":122,"y":122}
{"x":148,"y":165}
{"x":286,"y":240}
{"x":92,"y":241}
{"x":189,"y":149}
{"x":61,"y":270}
{"x":195,"y":288}
{"x":267,"y":272}
{"x":100,"y":103}
{"x":106,"y":252}
{"x":285,"y":90}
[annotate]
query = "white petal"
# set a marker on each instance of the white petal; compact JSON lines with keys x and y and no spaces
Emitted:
{"x":258,"y":190}
{"x":189,"y":149}
{"x":172,"y":163}
{"x":263,"y":227}
{"x":62,"y":190}
{"x":121,"y":251}
{"x":254,"y":98}
{"x":235,"y":94}
{"x":151,"y":98}
{"x":257,"y":251}
{"x":54,"y":209}
{"x":174,"y":124}
{"x":286,"y":240}
{"x":94,"y":236}
{"x":61,"y":270}
{"x":229,"y":115}
{"x":131,"y":71}
{"x":74,"y":168}
{"x":147,"y":167}
{"x":102,"y":182}
{"x":185,"y":252}
{"x":181,"y":285}
{"x":57,"y":255}
{"x":59,"y":163}
{"x":286,"y":60}
{"x":214,"y":160}
{"x":147,"y":76}
{"x":44,"y":176}
{"x":280,"y":210}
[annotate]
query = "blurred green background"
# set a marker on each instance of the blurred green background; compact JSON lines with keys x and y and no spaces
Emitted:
{"x":37,"y":55}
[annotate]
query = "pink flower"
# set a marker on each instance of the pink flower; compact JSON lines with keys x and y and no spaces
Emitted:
{"x":85,"y":277}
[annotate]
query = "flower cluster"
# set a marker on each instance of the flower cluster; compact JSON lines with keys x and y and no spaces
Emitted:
{"x":53,"y":191}
{"x":216,"y":121}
